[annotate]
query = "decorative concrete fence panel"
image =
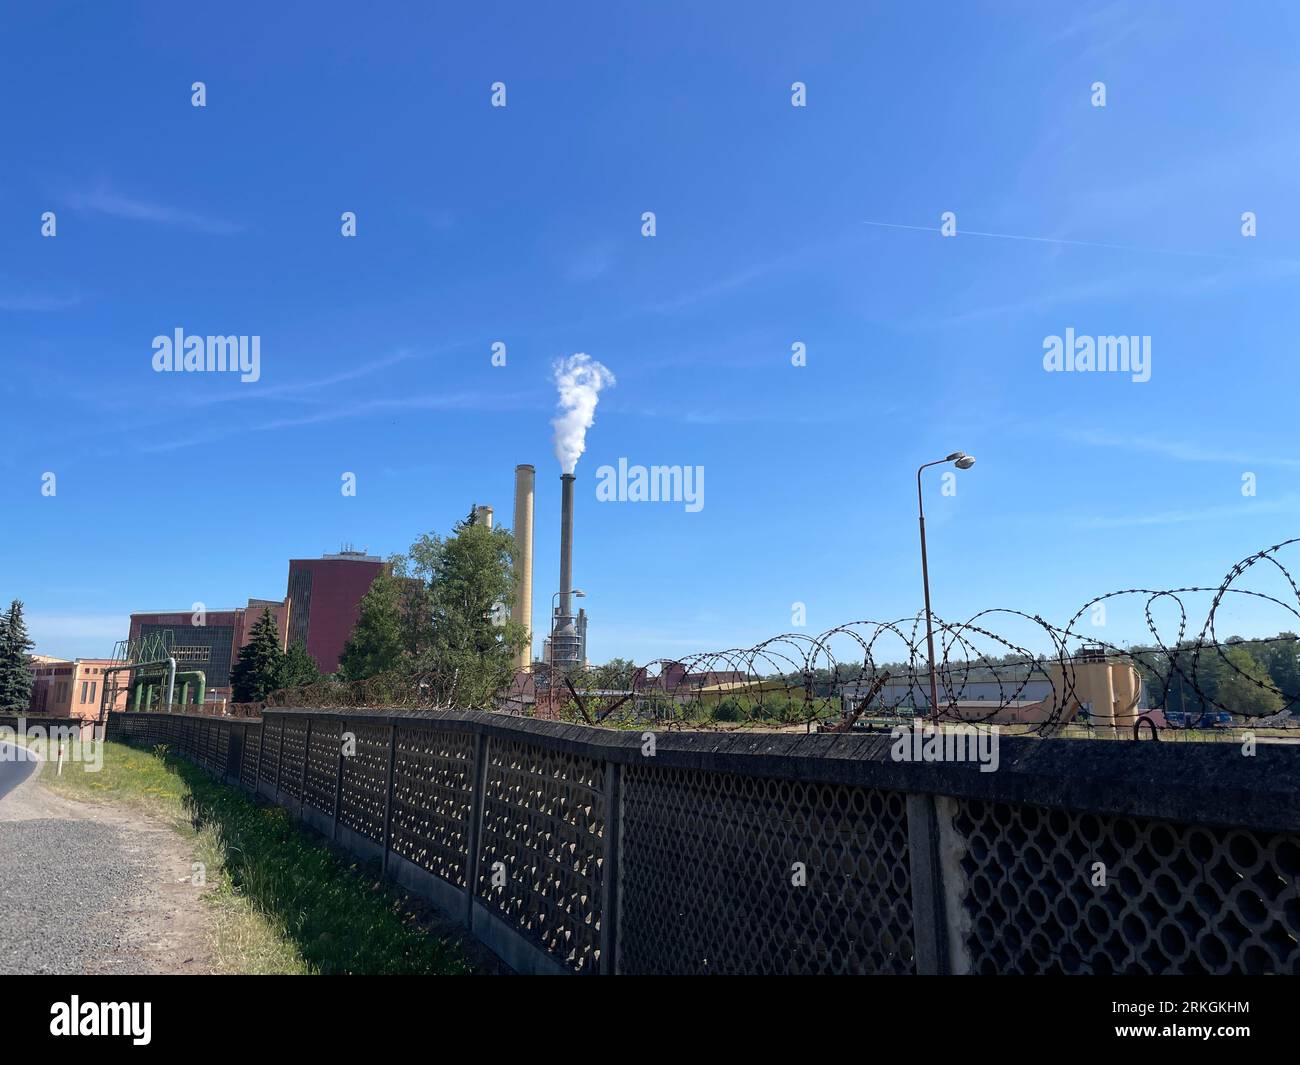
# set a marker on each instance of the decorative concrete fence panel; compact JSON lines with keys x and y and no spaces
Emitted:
{"x":571,"y":850}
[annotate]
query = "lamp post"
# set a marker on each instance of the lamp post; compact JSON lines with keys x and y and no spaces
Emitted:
{"x":555,"y":600}
{"x":962,"y":461}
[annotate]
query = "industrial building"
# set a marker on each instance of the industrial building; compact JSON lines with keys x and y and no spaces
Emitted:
{"x":323,"y":601}
{"x":1092,"y":686}
{"x":70,"y":689}
{"x":209,"y":641}
{"x":320,"y":608}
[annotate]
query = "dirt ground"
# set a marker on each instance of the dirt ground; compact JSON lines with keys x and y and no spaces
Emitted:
{"x":105,"y":891}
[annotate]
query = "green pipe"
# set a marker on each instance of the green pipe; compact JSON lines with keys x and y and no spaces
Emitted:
{"x":194,"y":681}
{"x":136,"y":695}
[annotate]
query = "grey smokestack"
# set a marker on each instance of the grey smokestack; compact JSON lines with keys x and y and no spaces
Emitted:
{"x":566,"y":544}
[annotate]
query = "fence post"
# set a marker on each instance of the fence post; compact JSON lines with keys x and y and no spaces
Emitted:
{"x":279,"y":757}
{"x":306,"y":760}
{"x":929,"y":914}
{"x":261,"y":756}
{"x":476,"y":804}
{"x":609,"y":868}
{"x":388,"y":796}
{"x":338,"y":780}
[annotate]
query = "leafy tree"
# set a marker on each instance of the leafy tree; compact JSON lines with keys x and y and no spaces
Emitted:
{"x":1244,"y":686}
{"x":15,"y":665}
{"x":462,"y":635}
{"x":377,"y":642}
{"x":298,"y":668}
{"x":615,"y":675}
{"x":1283,"y":663}
{"x":261,"y":663}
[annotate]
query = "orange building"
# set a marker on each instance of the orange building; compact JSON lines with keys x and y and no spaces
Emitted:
{"x":70,"y":689}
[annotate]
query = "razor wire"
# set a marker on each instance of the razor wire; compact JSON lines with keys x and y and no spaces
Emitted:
{"x":872,"y":674}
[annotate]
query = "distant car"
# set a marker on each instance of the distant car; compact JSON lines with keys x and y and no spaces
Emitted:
{"x":1198,"y":719}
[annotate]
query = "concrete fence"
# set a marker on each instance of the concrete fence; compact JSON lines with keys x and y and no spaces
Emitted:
{"x":49,"y":724}
{"x":570,"y":849}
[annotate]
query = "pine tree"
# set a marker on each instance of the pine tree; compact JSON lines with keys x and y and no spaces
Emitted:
{"x":260,"y":668}
{"x":15,"y":663}
{"x":300,"y":668}
{"x":375,"y":645}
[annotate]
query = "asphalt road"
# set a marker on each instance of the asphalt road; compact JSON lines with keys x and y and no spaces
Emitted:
{"x":15,"y":767}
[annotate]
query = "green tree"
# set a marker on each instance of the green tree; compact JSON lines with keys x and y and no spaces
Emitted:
{"x":616,"y":674}
{"x":299,"y":668}
{"x":15,"y":663}
{"x":463,"y":636}
{"x":1280,"y":658}
{"x":261,"y":663}
{"x":1244,"y":686}
{"x":377,"y":642}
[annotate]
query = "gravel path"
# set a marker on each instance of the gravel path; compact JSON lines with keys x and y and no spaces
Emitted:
{"x":90,"y":889}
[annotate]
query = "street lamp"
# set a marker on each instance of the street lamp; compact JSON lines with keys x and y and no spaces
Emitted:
{"x":555,"y":600}
{"x":962,"y":461}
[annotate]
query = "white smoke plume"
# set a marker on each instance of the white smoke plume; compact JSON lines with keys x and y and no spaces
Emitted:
{"x":578,"y":379}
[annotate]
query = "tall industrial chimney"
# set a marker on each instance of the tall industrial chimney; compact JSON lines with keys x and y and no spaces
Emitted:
{"x":566,"y":545}
{"x":483,"y":516}
{"x":522,"y":611}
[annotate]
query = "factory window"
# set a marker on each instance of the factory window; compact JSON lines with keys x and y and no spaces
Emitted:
{"x":85,"y":689}
{"x":93,"y":685}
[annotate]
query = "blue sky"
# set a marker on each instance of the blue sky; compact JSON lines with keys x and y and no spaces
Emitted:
{"x":523,"y":225}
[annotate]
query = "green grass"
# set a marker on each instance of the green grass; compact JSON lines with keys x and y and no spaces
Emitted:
{"x":283,"y":902}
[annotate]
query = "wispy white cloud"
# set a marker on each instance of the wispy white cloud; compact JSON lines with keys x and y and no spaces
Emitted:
{"x":1129,"y":285}
{"x":27,"y":300}
{"x":1064,"y":241}
{"x":465,"y":401}
{"x":102,"y":201}
{"x":1179,"y":450}
{"x":300,"y":388}
{"x":589,"y":263}
{"x":1247,"y":508}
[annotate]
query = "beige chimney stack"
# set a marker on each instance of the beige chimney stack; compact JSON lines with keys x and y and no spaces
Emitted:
{"x":522,"y":611}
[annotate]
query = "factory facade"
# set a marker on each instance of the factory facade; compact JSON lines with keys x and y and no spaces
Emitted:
{"x":70,"y":688}
{"x":322,"y":603}
{"x":320,"y":608}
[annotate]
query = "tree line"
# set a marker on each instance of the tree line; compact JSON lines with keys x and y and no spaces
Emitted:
{"x":441,"y":612}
